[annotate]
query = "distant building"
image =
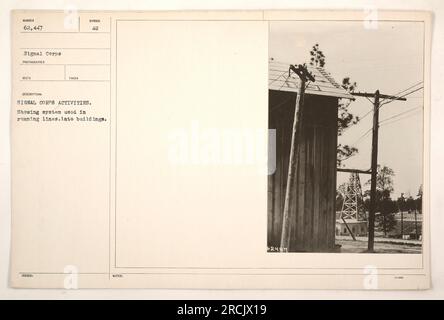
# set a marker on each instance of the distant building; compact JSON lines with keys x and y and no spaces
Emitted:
{"x":358,"y":228}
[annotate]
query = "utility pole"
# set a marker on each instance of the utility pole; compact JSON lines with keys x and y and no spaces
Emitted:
{"x":374,"y":170}
{"x":416,"y":224}
{"x":402,"y":225}
{"x":374,"y":161}
{"x":402,"y":215}
{"x":304,"y":76}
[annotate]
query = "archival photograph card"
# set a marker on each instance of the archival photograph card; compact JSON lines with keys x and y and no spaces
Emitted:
{"x":220,"y":150}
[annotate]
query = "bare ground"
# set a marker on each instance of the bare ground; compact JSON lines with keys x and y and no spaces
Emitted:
{"x":360,"y":246}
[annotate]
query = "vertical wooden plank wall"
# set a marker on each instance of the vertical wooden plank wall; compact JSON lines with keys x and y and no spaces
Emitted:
{"x":313,"y":208}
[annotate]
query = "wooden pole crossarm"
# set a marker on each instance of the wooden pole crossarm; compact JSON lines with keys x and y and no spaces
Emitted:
{"x":372,"y":95}
{"x":363,"y":94}
{"x":302,"y":72}
{"x":354,"y":170}
{"x":384,"y":96}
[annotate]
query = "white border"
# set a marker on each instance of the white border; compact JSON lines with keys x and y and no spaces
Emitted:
{"x":437,"y":153}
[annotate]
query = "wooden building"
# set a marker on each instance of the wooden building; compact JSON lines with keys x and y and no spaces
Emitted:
{"x":312,"y":213}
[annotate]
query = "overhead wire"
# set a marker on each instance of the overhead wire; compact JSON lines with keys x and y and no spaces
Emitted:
{"x":400,"y":114}
{"x":402,"y":96}
{"x":384,"y":122}
{"x":397,"y":96}
{"x":399,"y":119}
{"x":400,"y":92}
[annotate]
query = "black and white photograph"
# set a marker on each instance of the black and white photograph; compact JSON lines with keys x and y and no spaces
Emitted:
{"x":346,"y":105}
{"x":268,"y":150}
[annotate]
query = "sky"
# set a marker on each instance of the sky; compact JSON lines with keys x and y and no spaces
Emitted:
{"x":388,"y":58}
